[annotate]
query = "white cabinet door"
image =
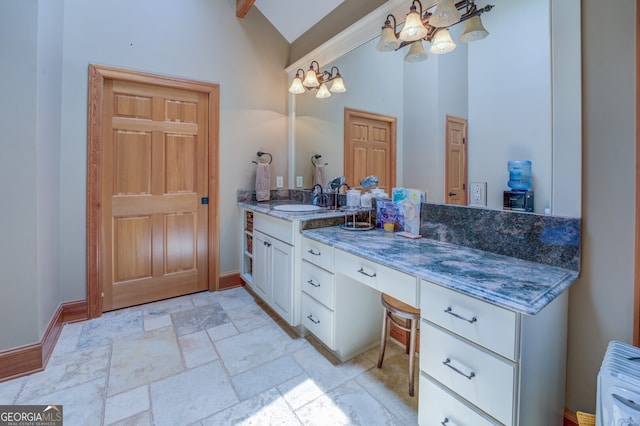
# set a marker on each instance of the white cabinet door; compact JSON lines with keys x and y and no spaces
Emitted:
{"x":282,"y":278}
{"x":273,"y":273}
{"x":261,"y":265}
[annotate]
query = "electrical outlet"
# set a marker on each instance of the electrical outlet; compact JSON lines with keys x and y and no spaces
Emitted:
{"x":298,"y":181}
{"x":279,"y":181}
{"x":478,"y":193}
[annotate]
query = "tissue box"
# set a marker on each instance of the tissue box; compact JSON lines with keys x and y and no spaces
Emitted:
{"x":389,"y":212}
{"x":409,"y":201}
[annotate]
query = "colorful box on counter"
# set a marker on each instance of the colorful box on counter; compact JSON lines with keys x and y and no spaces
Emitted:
{"x":389,"y":212}
{"x":409,"y":201}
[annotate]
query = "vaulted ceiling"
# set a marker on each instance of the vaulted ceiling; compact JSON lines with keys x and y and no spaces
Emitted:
{"x":306,"y":24}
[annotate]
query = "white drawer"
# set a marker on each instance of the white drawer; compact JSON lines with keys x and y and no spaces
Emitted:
{"x":481,"y":378}
{"x":438,"y":407}
{"x":488,"y":325}
{"x":318,"y":319}
{"x":318,"y":253}
{"x":318,"y":283}
{"x":402,"y":286}
{"x":277,"y":228}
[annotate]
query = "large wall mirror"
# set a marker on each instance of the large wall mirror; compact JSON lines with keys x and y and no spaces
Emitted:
{"x":519,"y":89}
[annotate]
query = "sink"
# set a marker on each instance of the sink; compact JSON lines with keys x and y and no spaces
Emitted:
{"x":297,"y":208}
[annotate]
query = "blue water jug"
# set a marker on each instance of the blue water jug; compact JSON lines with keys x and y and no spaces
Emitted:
{"x":519,"y":174}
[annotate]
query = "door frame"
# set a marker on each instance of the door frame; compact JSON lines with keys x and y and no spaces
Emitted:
{"x":97,"y":76}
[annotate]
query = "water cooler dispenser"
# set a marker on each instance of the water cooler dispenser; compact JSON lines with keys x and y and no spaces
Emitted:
{"x":520,"y":196}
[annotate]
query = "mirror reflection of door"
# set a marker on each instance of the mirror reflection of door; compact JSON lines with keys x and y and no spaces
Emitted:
{"x":455,"y":189}
{"x":369,"y":148}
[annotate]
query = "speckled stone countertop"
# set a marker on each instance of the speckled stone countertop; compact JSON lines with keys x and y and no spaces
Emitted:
{"x":515,"y":284}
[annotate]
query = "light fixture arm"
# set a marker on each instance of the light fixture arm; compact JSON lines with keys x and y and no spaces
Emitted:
{"x":387,"y":22}
{"x":413,"y":6}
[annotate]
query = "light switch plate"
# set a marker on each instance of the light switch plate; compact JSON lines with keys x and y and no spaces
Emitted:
{"x":478,"y":193}
{"x":298,"y":181}
{"x":279,"y":181}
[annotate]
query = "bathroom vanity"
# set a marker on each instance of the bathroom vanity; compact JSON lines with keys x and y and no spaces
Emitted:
{"x":493,"y":328}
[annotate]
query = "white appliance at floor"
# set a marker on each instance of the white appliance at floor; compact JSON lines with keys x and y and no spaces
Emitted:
{"x":618,"y":395}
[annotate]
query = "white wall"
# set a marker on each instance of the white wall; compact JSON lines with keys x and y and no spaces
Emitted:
{"x":374,"y":84}
{"x":601,"y":301}
{"x":194,"y":39}
{"x":433,"y":88}
{"x":49,"y":77}
{"x":18,"y":173}
{"x":31,"y":42}
{"x":510,"y":99}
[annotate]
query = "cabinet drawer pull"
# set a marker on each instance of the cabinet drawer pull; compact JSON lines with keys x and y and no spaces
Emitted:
{"x":450,"y":312}
{"x":361,"y":270}
{"x":313,"y":284}
{"x":313,"y":252}
{"x":312,"y":320}
{"x":469,"y":376}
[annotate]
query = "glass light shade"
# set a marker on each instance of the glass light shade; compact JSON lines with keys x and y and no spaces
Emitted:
{"x":388,"y":40}
{"x":445,"y":14}
{"x":323,"y":92}
{"x":416,"y":52}
{"x":473,"y":30}
{"x":296,"y":86}
{"x":413,"y":28}
{"x":442,"y":43}
{"x":311,"y":78}
{"x":338,"y":85}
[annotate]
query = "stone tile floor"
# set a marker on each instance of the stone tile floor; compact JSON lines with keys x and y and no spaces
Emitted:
{"x":211,"y":359}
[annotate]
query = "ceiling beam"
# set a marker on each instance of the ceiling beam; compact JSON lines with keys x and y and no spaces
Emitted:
{"x":243,"y":6}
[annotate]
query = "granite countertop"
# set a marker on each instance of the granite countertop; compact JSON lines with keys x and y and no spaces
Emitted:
{"x":515,"y":284}
{"x":267,"y":208}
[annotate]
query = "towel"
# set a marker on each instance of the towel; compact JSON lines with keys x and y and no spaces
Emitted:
{"x":319,"y":176}
{"x":263,"y":182}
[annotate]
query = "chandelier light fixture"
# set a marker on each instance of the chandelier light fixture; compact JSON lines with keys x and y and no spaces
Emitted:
{"x":433,"y":27}
{"x":316,"y":79}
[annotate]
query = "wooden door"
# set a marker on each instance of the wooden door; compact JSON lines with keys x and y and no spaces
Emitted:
{"x":455,"y":161}
{"x":369,"y":148}
{"x":153,"y":230}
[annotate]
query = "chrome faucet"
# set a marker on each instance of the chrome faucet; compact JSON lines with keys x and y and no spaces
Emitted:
{"x":338,"y":193}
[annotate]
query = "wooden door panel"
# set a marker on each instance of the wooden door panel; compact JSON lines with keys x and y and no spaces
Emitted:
{"x":180,"y":158}
{"x":149,"y":204}
{"x":379,"y":134}
{"x":132,"y":106}
{"x":180,"y":242}
{"x":162,"y":288}
{"x":176,"y":110}
{"x":132,"y":163}
{"x":360,"y":164}
{"x":359,"y":132}
{"x":380,"y":164}
{"x":132,"y":248}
